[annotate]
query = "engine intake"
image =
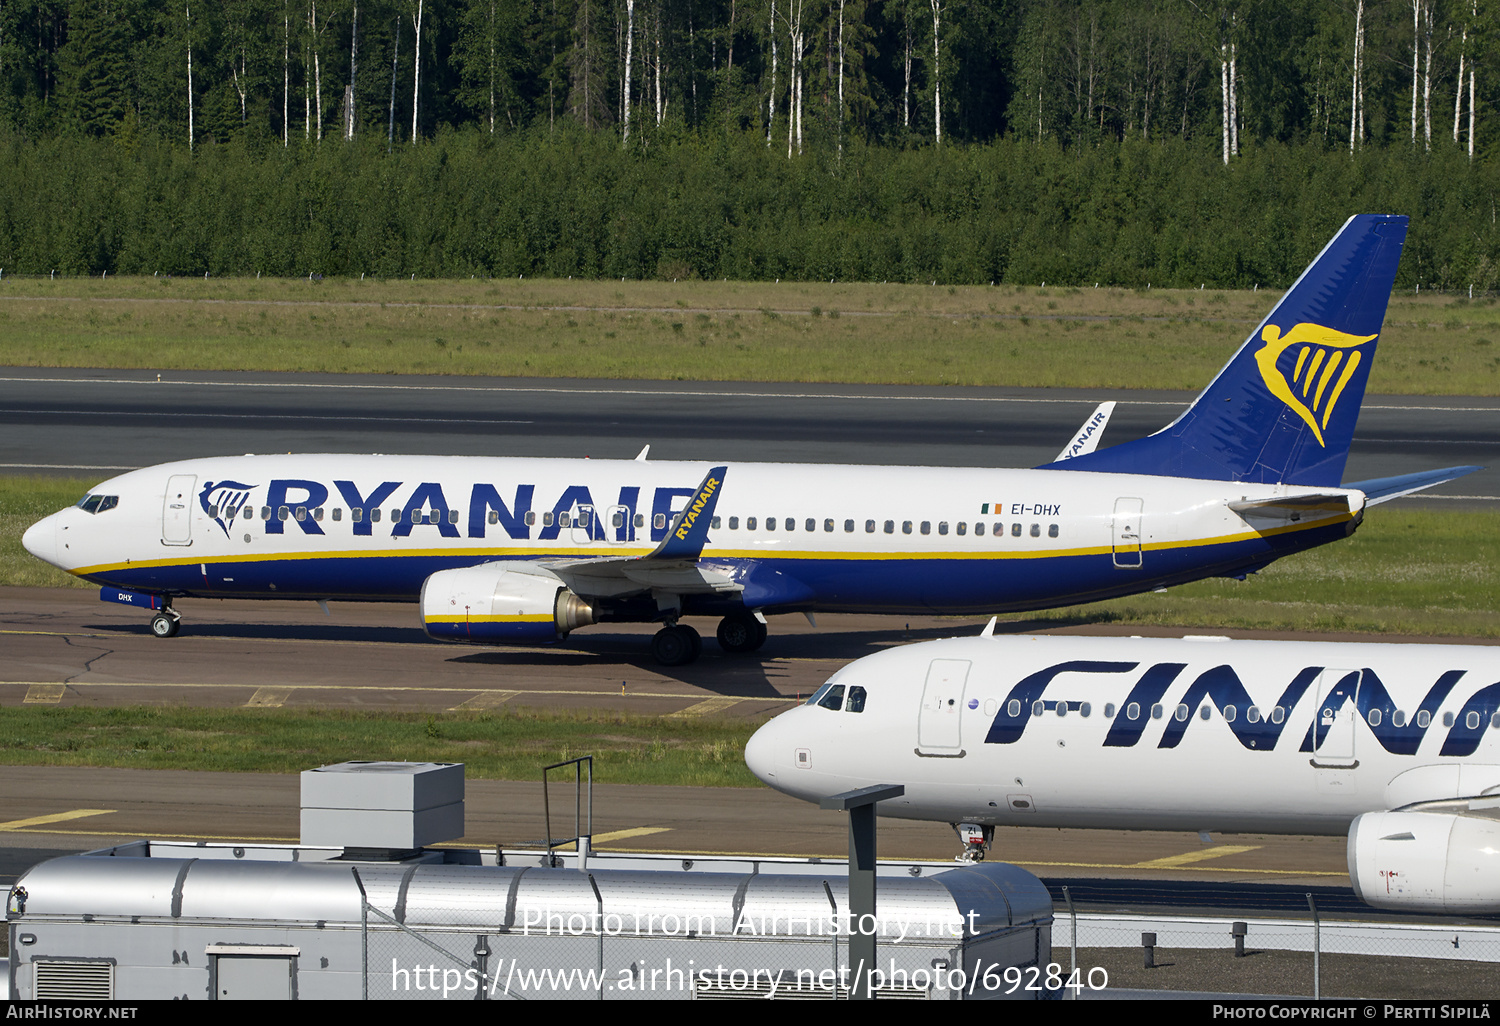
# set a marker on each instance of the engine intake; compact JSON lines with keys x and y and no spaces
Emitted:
{"x":492,"y":605}
{"x":1444,"y":857}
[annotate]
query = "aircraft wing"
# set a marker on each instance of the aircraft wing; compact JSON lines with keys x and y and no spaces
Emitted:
{"x":672,"y":566}
{"x":1384,"y":489}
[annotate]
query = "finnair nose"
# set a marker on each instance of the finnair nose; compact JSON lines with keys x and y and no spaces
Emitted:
{"x":40,"y":539}
{"x":760,"y":752}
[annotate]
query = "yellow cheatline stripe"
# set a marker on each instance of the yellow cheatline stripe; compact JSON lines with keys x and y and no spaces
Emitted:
{"x":44,"y":694}
{"x":622,"y":835}
{"x":704,"y":708}
{"x":56,"y":817}
{"x":269,"y":698}
{"x":709,"y":553}
{"x":1216,"y":852}
{"x":493,"y":618}
{"x":435,"y":689}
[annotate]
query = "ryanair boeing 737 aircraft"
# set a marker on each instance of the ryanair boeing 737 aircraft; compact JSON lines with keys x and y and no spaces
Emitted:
{"x":526,"y":550}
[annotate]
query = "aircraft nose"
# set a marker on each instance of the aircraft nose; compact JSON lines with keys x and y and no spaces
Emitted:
{"x":40,"y":539}
{"x":761,"y":751}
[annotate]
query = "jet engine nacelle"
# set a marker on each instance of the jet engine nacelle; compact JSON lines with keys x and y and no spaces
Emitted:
{"x":493,"y":605}
{"x":1444,"y":860}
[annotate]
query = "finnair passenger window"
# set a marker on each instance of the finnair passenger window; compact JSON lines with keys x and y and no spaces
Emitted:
{"x":1133,"y":711}
{"x":1424,"y":718}
{"x":1013,"y":708}
{"x":1278,"y":714}
{"x":834,"y":699}
{"x":1252,"y":714}
{"x":1229,"y":714}
{"x":856,"y":700}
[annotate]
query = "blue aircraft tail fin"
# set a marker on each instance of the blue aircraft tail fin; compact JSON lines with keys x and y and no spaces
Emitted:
{"x":1283,"y":409}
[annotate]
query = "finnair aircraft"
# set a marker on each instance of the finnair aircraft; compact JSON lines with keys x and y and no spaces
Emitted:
{"x":526,"y":550}
{"x":1397,"y":745}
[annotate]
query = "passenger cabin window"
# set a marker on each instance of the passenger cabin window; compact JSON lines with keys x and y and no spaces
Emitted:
{"x":356,"y":515}
{"x":494,"y":517}
{"x":1424,"y":718}
{"x":849,"y":526}
{"x":714,"y":523}
{"x":869,"y":527}
{"x":1036,"y":530}
{"x":749,"y":523}
{"x":812,"y":525}
{"x":927,"y":527}
{"x":890,"y":527}
{"x":942,"y":527}
{"x":734,"y":523}
{"x":906,"y":527}
{"x":530,"y":518}
{"x":770,"y":523}
{"x":961,"y":527}
{"x":1051,"y":530}
{"x":827,"y":526}
{"x":856,"y":700}
{"x":1015,"y":530}
{"x":338,"y":514}
{"x":978,"y":529}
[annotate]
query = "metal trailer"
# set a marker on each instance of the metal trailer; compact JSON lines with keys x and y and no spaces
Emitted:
{"x":152,"y":921}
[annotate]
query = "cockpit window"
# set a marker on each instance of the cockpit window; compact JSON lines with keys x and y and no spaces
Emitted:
{"x":834,"y":699}
{"x":856,"y":700}
{"x":98,"y":503}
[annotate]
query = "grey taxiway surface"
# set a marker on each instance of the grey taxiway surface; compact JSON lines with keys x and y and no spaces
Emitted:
{"x":95,"y":423}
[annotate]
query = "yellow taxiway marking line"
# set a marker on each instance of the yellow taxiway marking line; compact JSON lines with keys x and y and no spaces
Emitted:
{"x":621,"y":835}
{"x":44,"y":694}
{"x":1216,"y":852}
{"x":485,"y":700}
{"x":704,"y":708}
{"x":377,"y":687}
{"x":56,"y":817}
{"x":269,"y":698}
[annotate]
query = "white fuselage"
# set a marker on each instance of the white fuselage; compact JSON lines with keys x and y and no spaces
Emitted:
{"x":853,"y":538}
{"x":1140,"y":733}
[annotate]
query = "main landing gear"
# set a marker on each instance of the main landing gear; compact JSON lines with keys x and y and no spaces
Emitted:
{"x":165,"y":623}
{"x":677,"y":644}
{"x":976,"y":840}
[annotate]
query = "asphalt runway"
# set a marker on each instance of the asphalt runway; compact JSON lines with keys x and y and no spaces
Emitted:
{"x":99,"y":422}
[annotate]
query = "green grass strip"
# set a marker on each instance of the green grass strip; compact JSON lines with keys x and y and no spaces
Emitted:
{"x":509,"y":745}
{"x":1106,"y":338}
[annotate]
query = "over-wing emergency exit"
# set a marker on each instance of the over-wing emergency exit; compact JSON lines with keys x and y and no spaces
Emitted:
{"x":527,"y":550}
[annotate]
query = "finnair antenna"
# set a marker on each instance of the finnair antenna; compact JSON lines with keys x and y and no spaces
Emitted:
{"x":989,"y":628}
{"x":642,"y":457}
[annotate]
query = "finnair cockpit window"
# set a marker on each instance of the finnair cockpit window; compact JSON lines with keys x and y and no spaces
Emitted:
{"x":856,"y":700}
{"x":829,"y":696}
{"x":98,"y":503}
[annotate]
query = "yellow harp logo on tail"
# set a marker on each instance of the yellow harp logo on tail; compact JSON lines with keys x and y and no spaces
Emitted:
{"x":1325,"y":362}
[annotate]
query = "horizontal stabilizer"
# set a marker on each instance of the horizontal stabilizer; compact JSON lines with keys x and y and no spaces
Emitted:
{"x":1384,"y":489}
{"x":1292,"y":508}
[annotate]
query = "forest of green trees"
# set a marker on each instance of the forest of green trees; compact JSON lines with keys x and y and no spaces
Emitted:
{"x":1175,"y":142}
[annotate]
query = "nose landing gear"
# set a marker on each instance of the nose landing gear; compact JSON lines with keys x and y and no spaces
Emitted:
{"x":976,"y":840}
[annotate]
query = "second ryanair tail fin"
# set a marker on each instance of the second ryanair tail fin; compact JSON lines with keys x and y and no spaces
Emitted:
{"x":1283,"y":410}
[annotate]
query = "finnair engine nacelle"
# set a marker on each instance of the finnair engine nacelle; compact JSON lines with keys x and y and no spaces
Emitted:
{"x":490,"y":603}
{"x":1444,"y":860}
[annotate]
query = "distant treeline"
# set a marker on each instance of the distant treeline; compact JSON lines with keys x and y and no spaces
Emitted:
{"x":574,"y":202}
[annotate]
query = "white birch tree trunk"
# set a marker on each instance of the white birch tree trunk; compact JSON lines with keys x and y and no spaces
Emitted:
{"x":629,"y":52}
{"x":349,"y":119}
{"x":771,"y":103}
{"x":416,"y":75}
{"x":1471,"y":111}
{"x":390,"y":130}
{"x":1356,"y":116}
{"x":1416,"y":61}
{"x":906,"y":78}
{"x":841,"y":77}
{"x":188,"y":11}
{"x":937,"y":72}
{"x":1427,"y":80}
{"x":1224,"y":97}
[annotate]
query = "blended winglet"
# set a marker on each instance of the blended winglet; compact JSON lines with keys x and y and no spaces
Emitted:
{"x":690,"y":530}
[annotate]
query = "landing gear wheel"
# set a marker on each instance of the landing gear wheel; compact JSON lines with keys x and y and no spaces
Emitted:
{"x":164,"y":625}
{"x":741,"y":632}
{"x":976,"y":839}
{"x":676,"y":646}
